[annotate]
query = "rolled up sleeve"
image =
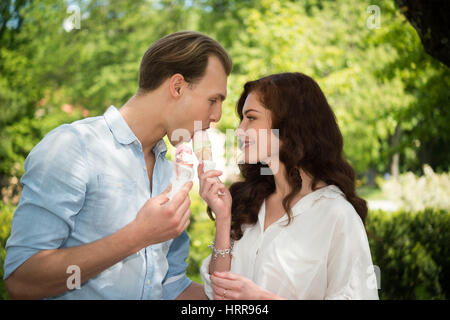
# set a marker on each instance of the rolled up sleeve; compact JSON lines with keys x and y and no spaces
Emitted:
{"x":54,"y":187}
{"x":176,"y":280}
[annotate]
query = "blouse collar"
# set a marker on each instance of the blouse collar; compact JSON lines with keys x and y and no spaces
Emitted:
{"x":305,"y":203}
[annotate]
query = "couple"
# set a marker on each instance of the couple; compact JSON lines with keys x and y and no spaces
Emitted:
{"x":93,"y":207}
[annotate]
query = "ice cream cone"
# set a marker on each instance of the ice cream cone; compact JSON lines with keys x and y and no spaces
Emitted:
{"x":202,"y":150}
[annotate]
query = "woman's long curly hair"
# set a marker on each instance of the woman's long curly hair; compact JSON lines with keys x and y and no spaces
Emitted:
{"x":310,"y":139}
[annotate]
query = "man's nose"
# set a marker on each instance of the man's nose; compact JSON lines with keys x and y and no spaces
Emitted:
{"x":217,"y":114}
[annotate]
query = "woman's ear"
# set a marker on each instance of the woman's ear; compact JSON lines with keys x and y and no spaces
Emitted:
{"x":176,"y":85}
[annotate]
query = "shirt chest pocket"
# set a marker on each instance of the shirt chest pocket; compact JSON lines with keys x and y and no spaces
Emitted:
{"x":113,"y":203}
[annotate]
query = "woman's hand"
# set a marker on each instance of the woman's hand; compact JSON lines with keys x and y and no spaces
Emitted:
{"x":210,"y":186}
{"x":232,"y":286}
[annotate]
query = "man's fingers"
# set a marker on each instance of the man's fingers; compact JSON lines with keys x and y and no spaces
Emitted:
{"x":166,"y":192}
{"x":180,"y":196}
{"x":186,"y":219}
{"x":183,"y":206}
{"x":163,"y":197}
{"x":188,"y":186}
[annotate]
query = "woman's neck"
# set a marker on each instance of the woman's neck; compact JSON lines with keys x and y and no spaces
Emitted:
{"x":282,"y":187}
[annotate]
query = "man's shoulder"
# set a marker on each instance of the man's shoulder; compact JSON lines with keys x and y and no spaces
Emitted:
{"x":72,"y":135}
{"x":89,"y":126}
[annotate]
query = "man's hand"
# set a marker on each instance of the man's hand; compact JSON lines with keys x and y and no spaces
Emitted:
{"x":160,"y":220}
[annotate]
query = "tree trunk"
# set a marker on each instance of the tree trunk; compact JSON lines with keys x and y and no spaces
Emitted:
{"x":395,"y":161}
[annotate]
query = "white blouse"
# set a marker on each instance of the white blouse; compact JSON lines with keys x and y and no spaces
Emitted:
{"x":322,"y":254}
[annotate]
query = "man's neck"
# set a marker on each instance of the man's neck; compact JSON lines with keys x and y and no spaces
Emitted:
{"x":144,"y":117}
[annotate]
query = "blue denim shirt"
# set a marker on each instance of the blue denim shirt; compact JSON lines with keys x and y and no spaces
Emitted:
{"x":84,"y":181}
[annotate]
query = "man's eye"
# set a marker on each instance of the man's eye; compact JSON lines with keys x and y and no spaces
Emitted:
{"x":211,"y":102}
{"x":250,"y":118}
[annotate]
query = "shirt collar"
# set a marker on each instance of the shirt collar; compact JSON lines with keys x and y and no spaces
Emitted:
{"x":118,"y":126}
{"x":123,"y":133}
{"x":160,"y":148}
{"x":329,"y":192}
{"x":305,"y":203}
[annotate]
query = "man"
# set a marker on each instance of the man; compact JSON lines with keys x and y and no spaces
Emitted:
{"x":93,"y":204}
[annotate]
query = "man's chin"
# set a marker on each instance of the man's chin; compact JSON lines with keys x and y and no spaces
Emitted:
{"x":179,"y":135}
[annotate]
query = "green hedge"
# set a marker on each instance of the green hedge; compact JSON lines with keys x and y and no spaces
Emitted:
{"x":6,"y":214}
{"x":411,"y":250}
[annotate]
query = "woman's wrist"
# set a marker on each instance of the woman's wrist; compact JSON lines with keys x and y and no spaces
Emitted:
{"x":223,"y":216}
{"x":223,"y":228}
{"x":222,"y":238}
{"x":223,"y":221}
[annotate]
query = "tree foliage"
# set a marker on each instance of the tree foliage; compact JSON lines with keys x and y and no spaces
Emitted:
{"x":389,"y":96}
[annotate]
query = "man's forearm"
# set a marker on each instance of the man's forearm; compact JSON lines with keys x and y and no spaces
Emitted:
{"x":45,"y":273}
{"x":195,"y":291}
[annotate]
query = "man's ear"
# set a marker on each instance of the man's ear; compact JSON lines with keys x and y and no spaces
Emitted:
{"x":176,"y":85}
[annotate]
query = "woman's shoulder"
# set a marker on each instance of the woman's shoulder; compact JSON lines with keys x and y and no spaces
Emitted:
{"x":332,"y":203}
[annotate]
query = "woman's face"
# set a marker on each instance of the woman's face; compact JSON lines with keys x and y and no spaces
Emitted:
{"x":255,"y":133}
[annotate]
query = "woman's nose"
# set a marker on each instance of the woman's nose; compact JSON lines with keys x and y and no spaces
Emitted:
{"x":242,"y":127}
{"x":240,"y":132}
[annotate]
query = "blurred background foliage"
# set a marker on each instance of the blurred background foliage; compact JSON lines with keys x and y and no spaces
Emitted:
{"x":391,"y":100}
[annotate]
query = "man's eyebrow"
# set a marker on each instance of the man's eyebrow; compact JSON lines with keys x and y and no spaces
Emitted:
{"x":248,"y":110}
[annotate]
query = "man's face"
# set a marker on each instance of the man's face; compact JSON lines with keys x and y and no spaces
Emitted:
{"x":200,"y":102}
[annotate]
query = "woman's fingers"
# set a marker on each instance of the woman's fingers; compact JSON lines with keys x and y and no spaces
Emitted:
{"x":225,"y":283}
{"x":206,"y":186}
{"x":210,"y":174}
{"x":217,"y":187}
{"x":224,"y":294}
{"x":200,"y":169}
{"x":227,"y":275}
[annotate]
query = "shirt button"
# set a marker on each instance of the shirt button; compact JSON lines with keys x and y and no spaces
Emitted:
{"x":148,"y":282}
{"x":135,"y":142}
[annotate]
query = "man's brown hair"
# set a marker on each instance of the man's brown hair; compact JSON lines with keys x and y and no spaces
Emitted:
{"x":184,"y":52}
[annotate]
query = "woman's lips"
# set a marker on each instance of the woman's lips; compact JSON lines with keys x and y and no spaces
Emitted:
{"x":246,"y":144}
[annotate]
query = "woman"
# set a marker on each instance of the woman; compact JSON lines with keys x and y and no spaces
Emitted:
{"x":299,"y":232}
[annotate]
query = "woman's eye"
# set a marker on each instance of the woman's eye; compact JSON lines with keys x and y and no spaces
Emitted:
{"x":250,"y":118}
{"x":211,"y":102}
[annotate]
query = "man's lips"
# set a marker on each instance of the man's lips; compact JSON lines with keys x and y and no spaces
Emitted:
{"x":192,"y":135}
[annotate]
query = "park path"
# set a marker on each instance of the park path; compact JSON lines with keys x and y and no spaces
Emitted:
{"x":385,"y":205}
